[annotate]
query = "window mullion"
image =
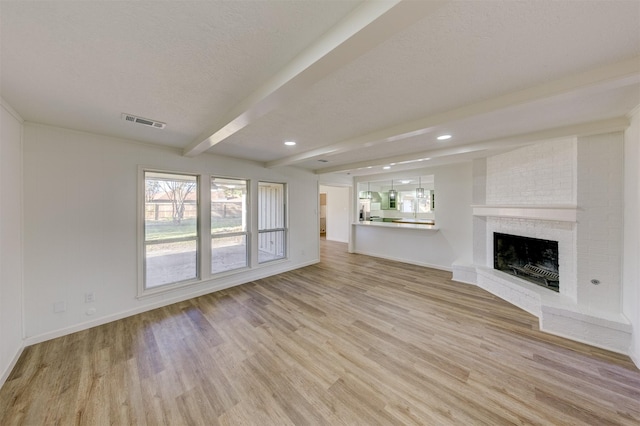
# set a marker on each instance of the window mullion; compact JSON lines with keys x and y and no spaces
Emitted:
{"x":205,"y":228}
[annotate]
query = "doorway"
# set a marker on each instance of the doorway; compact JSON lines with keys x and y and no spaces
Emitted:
{"x":323,"y":214}
{"x":335,"y":213}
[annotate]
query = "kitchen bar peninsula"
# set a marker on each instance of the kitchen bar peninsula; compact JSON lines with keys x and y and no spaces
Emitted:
{"x":417,"y":242}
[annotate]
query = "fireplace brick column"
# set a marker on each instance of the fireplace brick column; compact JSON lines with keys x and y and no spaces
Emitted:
{"x":600,"y":221}
{"x":568,"y":190}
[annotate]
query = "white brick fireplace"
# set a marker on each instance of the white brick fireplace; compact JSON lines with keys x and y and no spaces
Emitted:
{"x":569,"y":191}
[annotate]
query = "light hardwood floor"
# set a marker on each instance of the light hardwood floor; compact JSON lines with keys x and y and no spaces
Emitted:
{"x":352,"y":340}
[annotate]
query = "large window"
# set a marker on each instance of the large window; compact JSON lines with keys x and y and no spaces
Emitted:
{"x":271,"y":221}
{"x":170,"y":228}
{"x":178,"y":210}
{"x":229,"y":248}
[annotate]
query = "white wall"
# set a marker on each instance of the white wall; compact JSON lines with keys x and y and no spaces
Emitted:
{"x":440,"y":249}
{"x":11,"y":318}
{"x":631,"y":259}
{"x":80,"y":225}
{"x":600,"y":221}
{"x":453,"y":190}
{"x":541,"y":174}
{"x":338,"y":219}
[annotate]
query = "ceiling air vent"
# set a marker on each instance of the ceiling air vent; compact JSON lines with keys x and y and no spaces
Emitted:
{"x":143,"y":121}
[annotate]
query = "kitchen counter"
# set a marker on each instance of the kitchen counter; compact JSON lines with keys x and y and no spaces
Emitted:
{"x":415,"y":221}
{"x":417,"y":224}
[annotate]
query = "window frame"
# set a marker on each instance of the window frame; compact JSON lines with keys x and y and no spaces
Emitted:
{"x":285,"y":225}
{"x":143,"y":290}
{"x":415,"y":202}
{"x":204,"y":275}
{"x":246,"y":232}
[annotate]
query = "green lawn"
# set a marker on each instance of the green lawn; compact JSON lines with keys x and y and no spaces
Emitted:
{"x":164,"y":229}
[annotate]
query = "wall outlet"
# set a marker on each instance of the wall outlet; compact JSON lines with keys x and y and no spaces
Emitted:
{"x":89,"y":297}
{"x":59,"y":307}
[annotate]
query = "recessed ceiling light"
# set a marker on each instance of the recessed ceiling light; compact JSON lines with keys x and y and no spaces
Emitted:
{"x":289,"y":143}
{"x":386,"y":167}
{"x":443,"y":137}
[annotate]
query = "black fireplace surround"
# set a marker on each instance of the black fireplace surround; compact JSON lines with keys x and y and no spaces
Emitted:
{"x":527,"y":258}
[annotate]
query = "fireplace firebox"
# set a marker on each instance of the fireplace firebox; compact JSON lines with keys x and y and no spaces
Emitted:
{"x":530,"y":259}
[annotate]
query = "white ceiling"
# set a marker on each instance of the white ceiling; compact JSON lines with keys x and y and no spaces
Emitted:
{"x":356,"y":84}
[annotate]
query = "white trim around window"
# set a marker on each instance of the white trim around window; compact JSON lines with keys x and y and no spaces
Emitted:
{"x":169,"y":224}
{"x":240,"y":230}
{"x":272,"y":222}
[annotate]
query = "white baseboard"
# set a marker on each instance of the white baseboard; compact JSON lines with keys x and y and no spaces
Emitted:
{"x":403,"y":260}
{"x":7,"y":371}
{"x":337,"y":240}
{"x":464,"y":273}
{"x":635,"y":358}
{"x":242,"y":279}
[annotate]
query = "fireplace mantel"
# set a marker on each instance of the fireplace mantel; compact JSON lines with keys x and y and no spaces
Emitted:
{"x":558,"y":212}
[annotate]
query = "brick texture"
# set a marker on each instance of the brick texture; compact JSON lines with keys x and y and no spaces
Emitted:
{"x":586,"y":172}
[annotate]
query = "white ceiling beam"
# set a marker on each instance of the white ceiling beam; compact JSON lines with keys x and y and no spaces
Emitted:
{"x":619,"y":74}
{"x":363,"y":29}
{"x":582,"y":129}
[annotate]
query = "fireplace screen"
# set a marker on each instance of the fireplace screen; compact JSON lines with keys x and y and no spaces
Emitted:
{"x":530,"y":259}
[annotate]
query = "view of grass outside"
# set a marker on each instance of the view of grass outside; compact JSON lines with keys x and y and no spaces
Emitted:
{"x":167,"y":229}
{"x":229,"y":234}
{"x":170,"y":228}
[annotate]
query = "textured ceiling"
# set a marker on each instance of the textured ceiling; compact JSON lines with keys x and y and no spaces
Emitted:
{"x":355,"y":83}
{"x":81,"y":64}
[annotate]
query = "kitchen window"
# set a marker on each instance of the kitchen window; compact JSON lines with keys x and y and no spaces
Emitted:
{"x":409,"y":203}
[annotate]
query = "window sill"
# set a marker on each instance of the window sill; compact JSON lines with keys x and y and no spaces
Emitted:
{"x":169,"y":288}
{"x":155,"y":291}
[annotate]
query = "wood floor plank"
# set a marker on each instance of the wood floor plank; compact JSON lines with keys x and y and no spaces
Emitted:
{"x":352,"y":340}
